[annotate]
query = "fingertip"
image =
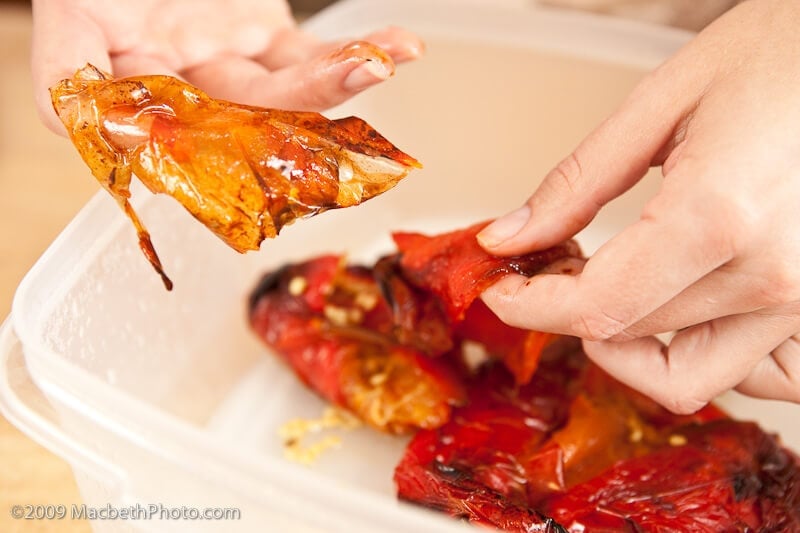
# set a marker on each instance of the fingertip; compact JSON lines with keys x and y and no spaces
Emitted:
{"x":402,"y":45}
{"x":494,"y":237}
{"x":358,"y":51}
{"x":357,"y":66}
{"x":52,"y":122}
{"x":535,"y":303}
{"x":638,"y":363}
{"x":412,"y":49}
{"x":47,"y":115}
{"x":353,"y":67}
{"x":64,"y":39}
{"x":501,"y":299}
{"x":503,"y":291}
{"x":644,"y":365}
{"x":314,"y":85}
{"x":365,"y":75}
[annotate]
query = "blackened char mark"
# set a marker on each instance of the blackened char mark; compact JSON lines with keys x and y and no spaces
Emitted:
{"x":269,"y":282}
{"x":384,"y":271}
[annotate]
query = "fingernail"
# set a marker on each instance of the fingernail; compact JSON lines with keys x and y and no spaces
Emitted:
{"x":504,"y":227}
{"x":401,"y":53}
{"x":366,"y":74}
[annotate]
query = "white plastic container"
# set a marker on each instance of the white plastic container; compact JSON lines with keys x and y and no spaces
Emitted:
{"x":166,"y":398}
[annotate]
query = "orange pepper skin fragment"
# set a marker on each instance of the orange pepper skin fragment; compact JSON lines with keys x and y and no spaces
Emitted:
{"x":242,"y":171}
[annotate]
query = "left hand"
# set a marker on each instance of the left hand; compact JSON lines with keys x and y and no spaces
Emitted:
{"x":246,"y":51}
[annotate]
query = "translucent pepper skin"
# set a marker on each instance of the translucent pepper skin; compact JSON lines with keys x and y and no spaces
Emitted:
{"x":243,"y":171}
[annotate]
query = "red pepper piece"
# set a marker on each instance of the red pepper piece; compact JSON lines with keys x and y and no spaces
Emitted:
{"x":725,"y":476}
{"x":519,"y":349}
{"x":457,"y":270}
{"x":578,"y":447}
{"x":477,"y":466}
{"x":328,"y":324}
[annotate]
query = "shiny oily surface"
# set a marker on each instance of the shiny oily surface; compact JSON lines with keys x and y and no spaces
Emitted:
{"x":244,"y":172}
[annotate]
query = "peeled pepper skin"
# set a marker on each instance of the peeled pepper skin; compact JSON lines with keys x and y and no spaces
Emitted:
{"x":456,"y":269}
{"x":243,"y":171}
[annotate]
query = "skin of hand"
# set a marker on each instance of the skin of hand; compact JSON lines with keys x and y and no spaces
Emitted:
{"x":247,"y":51}
{"x":715,"y":255}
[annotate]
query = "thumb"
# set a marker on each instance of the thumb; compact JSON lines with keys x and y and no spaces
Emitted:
{"x":608,"y":162}
{"x":65,"y":38}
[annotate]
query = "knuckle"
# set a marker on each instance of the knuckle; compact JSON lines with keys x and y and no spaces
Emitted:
{"x":792,"y":390}
{"x":321,"y":100}
{"x":685,"y":388}
{"x":782,"y":283}
{"x":597,"y":325}
{"x":786,"y":362}
{"x":567,"y":193}
{"x":730,"y":222}
{"x":567,"y":173}
{"x":628,"y":334}
{"x":725,"y":226}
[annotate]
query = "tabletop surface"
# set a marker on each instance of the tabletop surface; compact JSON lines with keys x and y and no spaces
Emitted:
{"x":42,"y":185}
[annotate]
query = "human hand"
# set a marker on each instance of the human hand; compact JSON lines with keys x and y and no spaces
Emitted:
{"x":247,"y":51}
{"x":715,"y":254}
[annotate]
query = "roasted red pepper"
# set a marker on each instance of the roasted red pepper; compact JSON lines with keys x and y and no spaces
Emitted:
{"x":333,"y":326}
{"x":454,"y":269}
{"x":545,"y":441}
{"x":477,"y":466}
{"x":606,"y":459}
{"x":360,"y":337}
{"x":519,"y":349}
{"x":720,"y":476}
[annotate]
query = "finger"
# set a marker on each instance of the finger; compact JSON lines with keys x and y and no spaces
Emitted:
{"x":316,"y":85}
{"x":607,"y":163}
{"x":673,"y":245}
{"x":292,"y":46}
{"x":288,"y":47}
{"x":64,"y":40}
{"x":777,"y":376}
{"x":763,"y":278}
{"x":700,"y":362}
{"x":729,"y":290}
{"x":401,"y":45}
{"x":138,"y":65}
